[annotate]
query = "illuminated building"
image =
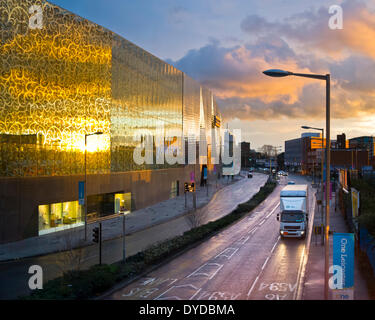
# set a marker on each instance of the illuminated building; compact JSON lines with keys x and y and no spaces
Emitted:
{"x":63,"y":77}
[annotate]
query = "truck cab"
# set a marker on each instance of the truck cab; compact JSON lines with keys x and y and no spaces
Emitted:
{"x":293,"y":214}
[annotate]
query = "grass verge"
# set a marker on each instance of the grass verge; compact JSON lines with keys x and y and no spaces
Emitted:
{"x":90,"y":283}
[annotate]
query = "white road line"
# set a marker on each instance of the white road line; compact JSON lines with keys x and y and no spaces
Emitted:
{"x":252,"y":287}
{"x":252,"y":230}
{"x":191,"y":298}
{"x":228,"y":256}
{"x":274,"y":246}
{"x":244,"y":241}
{"x":265,"y":262}
{"x":260,"y":223}
{"x":272,"y":211}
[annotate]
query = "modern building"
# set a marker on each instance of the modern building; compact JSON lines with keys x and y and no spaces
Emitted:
{"x":65,"y":81}
{"x":293,"y":154}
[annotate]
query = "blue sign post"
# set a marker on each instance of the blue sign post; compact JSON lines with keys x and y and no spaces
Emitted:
{"x":343,"y":257}
{"x":81,"y":193}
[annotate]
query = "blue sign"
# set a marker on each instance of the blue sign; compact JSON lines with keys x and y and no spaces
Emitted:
{"x":343,"y":256}
{"x":205,"y":173}
{"x":81,"y":192}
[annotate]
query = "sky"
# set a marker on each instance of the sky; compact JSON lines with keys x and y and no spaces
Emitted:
{"x":225,"y":45}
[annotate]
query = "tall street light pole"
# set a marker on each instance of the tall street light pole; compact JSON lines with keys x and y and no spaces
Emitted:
{"x":327,"y":78}
{"x":85,"y":189}
{"x":321,"y":174}
{"x":322,"y":159}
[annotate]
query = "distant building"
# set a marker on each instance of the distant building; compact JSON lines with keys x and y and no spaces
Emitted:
{"x":341,"y":141}
{"x":245,"y":154}
{"x":347,"y":158}
{"x":364,"y":143}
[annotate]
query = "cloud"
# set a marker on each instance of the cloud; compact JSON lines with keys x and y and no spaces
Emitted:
{"x":310,"y":29}
{"x":301,"y":43}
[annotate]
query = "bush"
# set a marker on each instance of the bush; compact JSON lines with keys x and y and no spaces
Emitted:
{"x":85,"y":284}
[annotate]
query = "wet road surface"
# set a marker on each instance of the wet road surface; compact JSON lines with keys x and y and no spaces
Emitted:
{"x":247,"y":261}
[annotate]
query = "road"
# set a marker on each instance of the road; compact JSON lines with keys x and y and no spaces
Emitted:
{"x":14,"y":274}
{"x":247,"y":261}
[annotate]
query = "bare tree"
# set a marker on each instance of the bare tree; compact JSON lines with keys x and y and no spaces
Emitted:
{"x":73,"y":255}
{"x":195,"y":218}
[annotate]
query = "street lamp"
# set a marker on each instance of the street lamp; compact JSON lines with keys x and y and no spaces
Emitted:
{"x":321,"y":129}
{"x":327,"y":78}
{"x":87,"y":135}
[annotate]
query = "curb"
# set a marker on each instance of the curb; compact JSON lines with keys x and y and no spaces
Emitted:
{"x":302,"y":274}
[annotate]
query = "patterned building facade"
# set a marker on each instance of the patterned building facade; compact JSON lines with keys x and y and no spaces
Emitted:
{"x":64,"y":78}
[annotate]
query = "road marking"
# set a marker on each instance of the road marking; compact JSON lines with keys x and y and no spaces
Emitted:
{"x":260,"y":223}
{"x":196,"y":273}
{"x":272,"y":211}
{"x":274,"y":246}
{"x":191,"y":298}
{"x":234,"y":250}
{"x":252,"y":287}
{"x":175,"y":297}
{"x":244,"y":241}
{"x":252,"y":230}
{"x":265,"y":262}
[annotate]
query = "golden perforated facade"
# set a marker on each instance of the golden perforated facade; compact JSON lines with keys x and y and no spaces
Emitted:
{"x":63,"y":77}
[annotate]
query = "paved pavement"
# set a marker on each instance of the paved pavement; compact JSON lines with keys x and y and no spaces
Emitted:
{"x":14,"y":274}
{"x":314,"y":282}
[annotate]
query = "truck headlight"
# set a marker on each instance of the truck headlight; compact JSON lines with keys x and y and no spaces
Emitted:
{"x":302,"y":232}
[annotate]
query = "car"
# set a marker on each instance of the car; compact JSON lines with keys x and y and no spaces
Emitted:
{"x":285,"y":174}
{"x":249,"y":175}
{"x":291,"y":182}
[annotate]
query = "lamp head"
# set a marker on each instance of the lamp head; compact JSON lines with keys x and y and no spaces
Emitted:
{"x":277,"y":73}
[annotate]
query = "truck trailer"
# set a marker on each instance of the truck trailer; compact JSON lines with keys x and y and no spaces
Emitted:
{"x":294,"y":215}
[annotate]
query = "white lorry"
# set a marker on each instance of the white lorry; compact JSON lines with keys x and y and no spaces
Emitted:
{"x":294,"y":213}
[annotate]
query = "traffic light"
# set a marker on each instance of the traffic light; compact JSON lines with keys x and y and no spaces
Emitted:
{"x":95,"y":234}
{"x":186,"y":187}
{"x":192,"y":187}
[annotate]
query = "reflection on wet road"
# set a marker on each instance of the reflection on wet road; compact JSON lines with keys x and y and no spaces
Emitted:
{"x":248,"y":260}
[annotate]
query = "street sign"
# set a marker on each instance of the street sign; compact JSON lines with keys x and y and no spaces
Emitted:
{"x":343,"y":256}
{"x":81,"y":192}
{"x":205,"y":173}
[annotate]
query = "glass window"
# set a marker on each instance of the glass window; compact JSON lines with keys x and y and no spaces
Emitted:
{"x":59,"y":216}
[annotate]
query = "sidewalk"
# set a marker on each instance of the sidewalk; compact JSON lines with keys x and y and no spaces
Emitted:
{"x":313,"y":288}
{"x":113,"y":227}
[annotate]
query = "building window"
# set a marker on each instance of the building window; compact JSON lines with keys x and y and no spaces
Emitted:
{"x":123,"y":202}
{"x":59,"y":216}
